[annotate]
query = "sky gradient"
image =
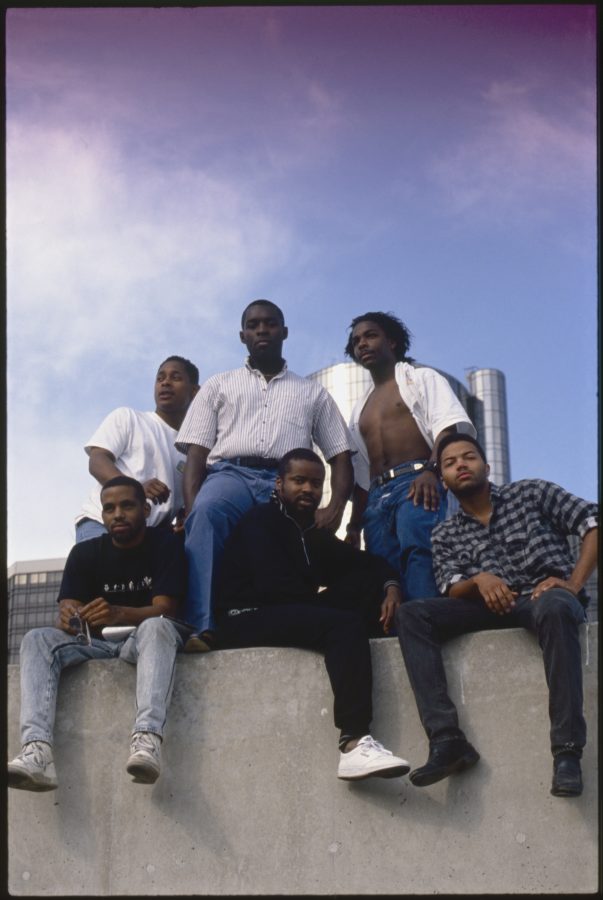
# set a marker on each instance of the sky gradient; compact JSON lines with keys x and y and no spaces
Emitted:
{"x":167,"y":166}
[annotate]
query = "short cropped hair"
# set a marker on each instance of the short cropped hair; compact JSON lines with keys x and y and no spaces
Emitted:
{"x":454,"y":439}
{"x":394,"y":329}
{"x":125,"y":481}
{"x":190,"y":368}
{"x":298,"y":453}
{"x":269,"y":303}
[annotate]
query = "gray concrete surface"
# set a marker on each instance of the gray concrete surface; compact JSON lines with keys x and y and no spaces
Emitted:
{"x":249,"y":803}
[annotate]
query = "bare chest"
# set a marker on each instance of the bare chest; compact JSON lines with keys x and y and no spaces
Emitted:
{"x":384,"y":408}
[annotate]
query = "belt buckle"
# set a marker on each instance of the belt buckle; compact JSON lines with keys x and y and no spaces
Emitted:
{"x":418,"y":466}
{"x":388,"y":475}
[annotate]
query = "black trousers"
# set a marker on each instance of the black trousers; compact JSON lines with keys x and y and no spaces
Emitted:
{"x":423,"y":625}
{"x":338,"y":625}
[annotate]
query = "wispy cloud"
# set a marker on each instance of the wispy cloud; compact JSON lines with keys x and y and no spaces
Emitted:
{"x":522,"y":158}
{"x":95,"y":239}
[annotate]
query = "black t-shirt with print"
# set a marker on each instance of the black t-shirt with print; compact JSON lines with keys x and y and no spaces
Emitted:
{"x":126,"y":576}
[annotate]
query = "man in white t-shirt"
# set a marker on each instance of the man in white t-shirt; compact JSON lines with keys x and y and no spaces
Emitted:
{"x":141,"y":445}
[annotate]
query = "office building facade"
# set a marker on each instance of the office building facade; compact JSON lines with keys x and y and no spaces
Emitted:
{"x":33,"y":587}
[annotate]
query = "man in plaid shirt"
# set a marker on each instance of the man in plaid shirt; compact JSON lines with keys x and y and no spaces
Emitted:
{"x":503,"y":561}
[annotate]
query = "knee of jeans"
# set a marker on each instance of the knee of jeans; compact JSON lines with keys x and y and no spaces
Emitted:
{"x":156,"y":626}
{"x":409,"y":612}
{"x":555,"y":603}
{"x":38,"y":638}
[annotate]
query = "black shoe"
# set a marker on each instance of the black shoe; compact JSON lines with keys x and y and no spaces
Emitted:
{"x":445,"y":758}
{"x":567,"y":776}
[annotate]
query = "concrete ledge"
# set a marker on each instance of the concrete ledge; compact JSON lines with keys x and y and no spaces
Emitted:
{"x":249,"y":802}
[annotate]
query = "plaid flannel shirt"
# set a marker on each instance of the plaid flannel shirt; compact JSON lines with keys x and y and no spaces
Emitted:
{"x":524,"y":543}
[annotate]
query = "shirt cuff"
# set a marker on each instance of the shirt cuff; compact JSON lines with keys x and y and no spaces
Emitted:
{"x":588,"y":525}
{"x":391,"y":583}
{"x":454,"y":579}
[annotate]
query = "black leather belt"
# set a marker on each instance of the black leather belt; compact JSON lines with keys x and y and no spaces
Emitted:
{"x":254,"y":462}
{"x":402,"y":469}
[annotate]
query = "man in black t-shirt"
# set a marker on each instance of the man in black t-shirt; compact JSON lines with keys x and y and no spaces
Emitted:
{"x":118,"y":594}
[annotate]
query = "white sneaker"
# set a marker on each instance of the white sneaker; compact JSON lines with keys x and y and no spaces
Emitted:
{"x":369,"y":757}
{"x":144,"y":762}
{"x":33,"y":769}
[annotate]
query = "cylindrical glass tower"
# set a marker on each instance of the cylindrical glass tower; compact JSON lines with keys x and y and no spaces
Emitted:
{"x":489,"y":415}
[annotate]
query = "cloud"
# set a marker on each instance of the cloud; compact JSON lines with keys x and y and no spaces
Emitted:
{"x":523,"y":159}
{"x":95,"y":238}
{"x":107,"y":257}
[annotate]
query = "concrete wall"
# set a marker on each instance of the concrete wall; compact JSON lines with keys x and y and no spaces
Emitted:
{"x":249,"y":802}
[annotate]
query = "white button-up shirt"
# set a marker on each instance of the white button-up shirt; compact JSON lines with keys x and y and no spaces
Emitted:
{"x":240,"y":413}
{"x":432,"y":404}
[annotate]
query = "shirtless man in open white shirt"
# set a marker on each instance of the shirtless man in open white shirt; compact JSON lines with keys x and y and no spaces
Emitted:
{"x":238,"y":427}
{"x":395,"y":430}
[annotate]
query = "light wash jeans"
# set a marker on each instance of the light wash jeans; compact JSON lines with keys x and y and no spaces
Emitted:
{"x":45,"y":652}
{"x":401,"y":532}
{"x":87,"y":529}
{"x":227,"y":493}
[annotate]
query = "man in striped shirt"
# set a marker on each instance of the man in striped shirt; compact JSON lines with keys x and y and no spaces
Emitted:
{"x":504,"y":562}
{"x":237,"y":428}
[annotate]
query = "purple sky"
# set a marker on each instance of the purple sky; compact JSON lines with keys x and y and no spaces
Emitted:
{"x":166,"y":166}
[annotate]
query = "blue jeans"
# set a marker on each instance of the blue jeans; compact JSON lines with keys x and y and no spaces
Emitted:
{"x":401,"y":532}
{"x":554,"y":619}
{"x":45,"y":652}
{"x":227,"y":493}
{"x":86,"y":529}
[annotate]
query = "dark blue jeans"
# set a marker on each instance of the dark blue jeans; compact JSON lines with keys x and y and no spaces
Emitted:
{"x":401,"y":532}
{"x":554,"y":619}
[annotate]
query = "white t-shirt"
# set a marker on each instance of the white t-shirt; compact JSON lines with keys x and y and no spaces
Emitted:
{"x":144,"y":447}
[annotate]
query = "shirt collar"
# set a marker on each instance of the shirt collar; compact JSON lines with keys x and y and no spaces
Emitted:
{"x":276,"y":500}
{"x":259,"y":374}
{"x":495,"y":497}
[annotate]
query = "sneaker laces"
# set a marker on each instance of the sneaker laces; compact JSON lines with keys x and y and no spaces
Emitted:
{"x":368,"y":743}
{"x":144,"y":740}
{"x":38,"y":752}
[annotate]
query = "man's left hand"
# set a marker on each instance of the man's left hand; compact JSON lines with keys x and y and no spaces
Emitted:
{"x":550,"y":583}
{"x":424,"y":489}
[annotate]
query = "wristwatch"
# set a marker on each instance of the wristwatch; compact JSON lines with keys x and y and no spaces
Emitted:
{"x":431,"y":466}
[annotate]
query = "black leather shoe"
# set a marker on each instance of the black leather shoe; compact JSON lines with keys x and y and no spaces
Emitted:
{"x":445,"y":758}
{"x":567,"y":776}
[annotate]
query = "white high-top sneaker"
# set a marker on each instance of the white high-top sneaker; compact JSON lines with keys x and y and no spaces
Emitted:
{"x":33,"y":769}
{"x":144,"y":762}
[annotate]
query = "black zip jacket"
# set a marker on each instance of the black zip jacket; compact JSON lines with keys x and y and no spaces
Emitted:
{"x":269,"y":559}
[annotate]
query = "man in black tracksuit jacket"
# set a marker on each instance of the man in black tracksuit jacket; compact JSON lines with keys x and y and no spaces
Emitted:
{"x":274,"y":563}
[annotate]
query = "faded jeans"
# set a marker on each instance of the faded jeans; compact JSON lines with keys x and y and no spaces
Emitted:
{"x":554,"y":619}
{"x":401,"y":532}
{"x":225,"y":495}
{"x":45,"y":652}
{"x":86,"y":529}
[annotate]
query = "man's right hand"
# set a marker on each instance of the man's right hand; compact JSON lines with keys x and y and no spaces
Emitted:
{"x":156,"y":491}
{"x":497,"y":595}
{"x":68,"y":608}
